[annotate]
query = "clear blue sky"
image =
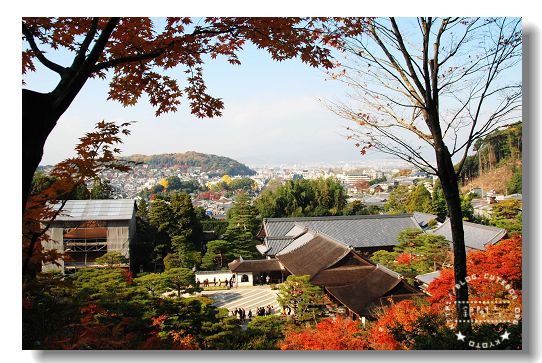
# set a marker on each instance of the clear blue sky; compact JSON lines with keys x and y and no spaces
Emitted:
{"x":272,"y":115}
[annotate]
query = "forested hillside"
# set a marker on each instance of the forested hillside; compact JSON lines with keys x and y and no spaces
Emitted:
{"x":212,"y":164}
{"x":496,"y":163}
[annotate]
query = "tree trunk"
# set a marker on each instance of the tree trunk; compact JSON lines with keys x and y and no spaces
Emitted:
{"x":38,"y":122}
{"x":448,"y":180}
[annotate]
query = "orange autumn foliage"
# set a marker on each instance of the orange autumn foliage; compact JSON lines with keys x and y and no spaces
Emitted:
{"x":92,"y":334}
{"x":173,"y":340}
{"x":330,"y":334}
{"x":404,"y":259}
{"x":402,"y":316}
{"x":500,"y":261}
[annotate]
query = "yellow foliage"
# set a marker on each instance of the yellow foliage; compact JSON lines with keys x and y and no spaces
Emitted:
{"x":227,"y":179}
{"x":163,"y":183}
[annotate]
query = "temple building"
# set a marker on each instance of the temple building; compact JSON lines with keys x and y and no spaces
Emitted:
{"x":366,"y":234}
{"x":350,"y":281}
{"x":335,"y":251}
{"x":369,"y":233}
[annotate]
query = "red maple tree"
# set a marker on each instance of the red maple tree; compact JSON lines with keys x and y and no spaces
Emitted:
{"x":499,"y":262}
{"x":401,"y":315}
{"x":329,"y":334}
{"x":495,"y":283}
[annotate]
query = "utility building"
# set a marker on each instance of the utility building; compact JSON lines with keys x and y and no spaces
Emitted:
{"x":87,"y":229}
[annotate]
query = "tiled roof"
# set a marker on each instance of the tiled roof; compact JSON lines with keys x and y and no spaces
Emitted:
{"x":275,"y":245}
{"x":241,"y":265}
{"x":351,"y":279}
{"x":423,"y":218}
{"x":354,"y":231}
{"x":428,"y":277}
{"x":345,"y":275}
{"x":102,"y":209}
{"x":361,"y":294}
{"x":477,"y":236}
{"x":311,"y":253}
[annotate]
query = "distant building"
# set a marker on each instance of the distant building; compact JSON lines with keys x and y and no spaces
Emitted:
{"x":351,"y":179}
{"x":87,"y":229}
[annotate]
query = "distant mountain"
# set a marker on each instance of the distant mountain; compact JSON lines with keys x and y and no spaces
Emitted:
{"x":213,"y":164}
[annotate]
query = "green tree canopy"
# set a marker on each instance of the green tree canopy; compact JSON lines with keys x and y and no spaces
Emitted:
{"x":153,"y":283}
{"x":264,"y":332}
{"x":416,"y":253}
{"x":101,"y":189}
{"x":182,"y":254}
{"x":507,"y":214}
{"x":243,"y":224}
{"x":180,"y":279}
{"x":218,"y":254}
{"x":515,"y":184}
{"x":176,"y":217}
{"x":304,"y":298}
{"x":112,"y":259}
{"x":397,"y":200}
{"x":303,"y":198}
{"x":356,"y":208}
{"x":419,"y":200}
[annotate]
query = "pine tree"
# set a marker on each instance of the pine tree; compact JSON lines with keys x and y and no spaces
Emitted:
{"x":243,"y":224}
{"x":219,"y":253}
{"x":101,"y":189}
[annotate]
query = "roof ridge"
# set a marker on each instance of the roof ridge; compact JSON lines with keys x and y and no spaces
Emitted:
{"x":369,"y":216}
{"x":477,"y":225}
{"x":483,"y":226}
{"x":318,"y":233}
{"x":388,"y":271}
{"x":298,"y":247}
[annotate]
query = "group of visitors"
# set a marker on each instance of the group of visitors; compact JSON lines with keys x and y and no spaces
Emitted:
{"x":242,"y":315}
{"x":265,"y":311}
{"x":226,"y":282}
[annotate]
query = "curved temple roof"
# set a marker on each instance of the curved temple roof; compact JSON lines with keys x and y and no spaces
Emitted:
{"x":355,"y":231}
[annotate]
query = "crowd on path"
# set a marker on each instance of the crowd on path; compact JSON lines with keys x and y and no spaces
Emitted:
{"x":242,"y":315}
{"x":206,"y":283}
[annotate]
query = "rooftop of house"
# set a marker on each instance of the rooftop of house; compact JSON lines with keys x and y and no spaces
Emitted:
{"x":424,"y":218}
{"x":240,"y":265}
{"x":477,"y":236}
{"x":98,"y":209}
